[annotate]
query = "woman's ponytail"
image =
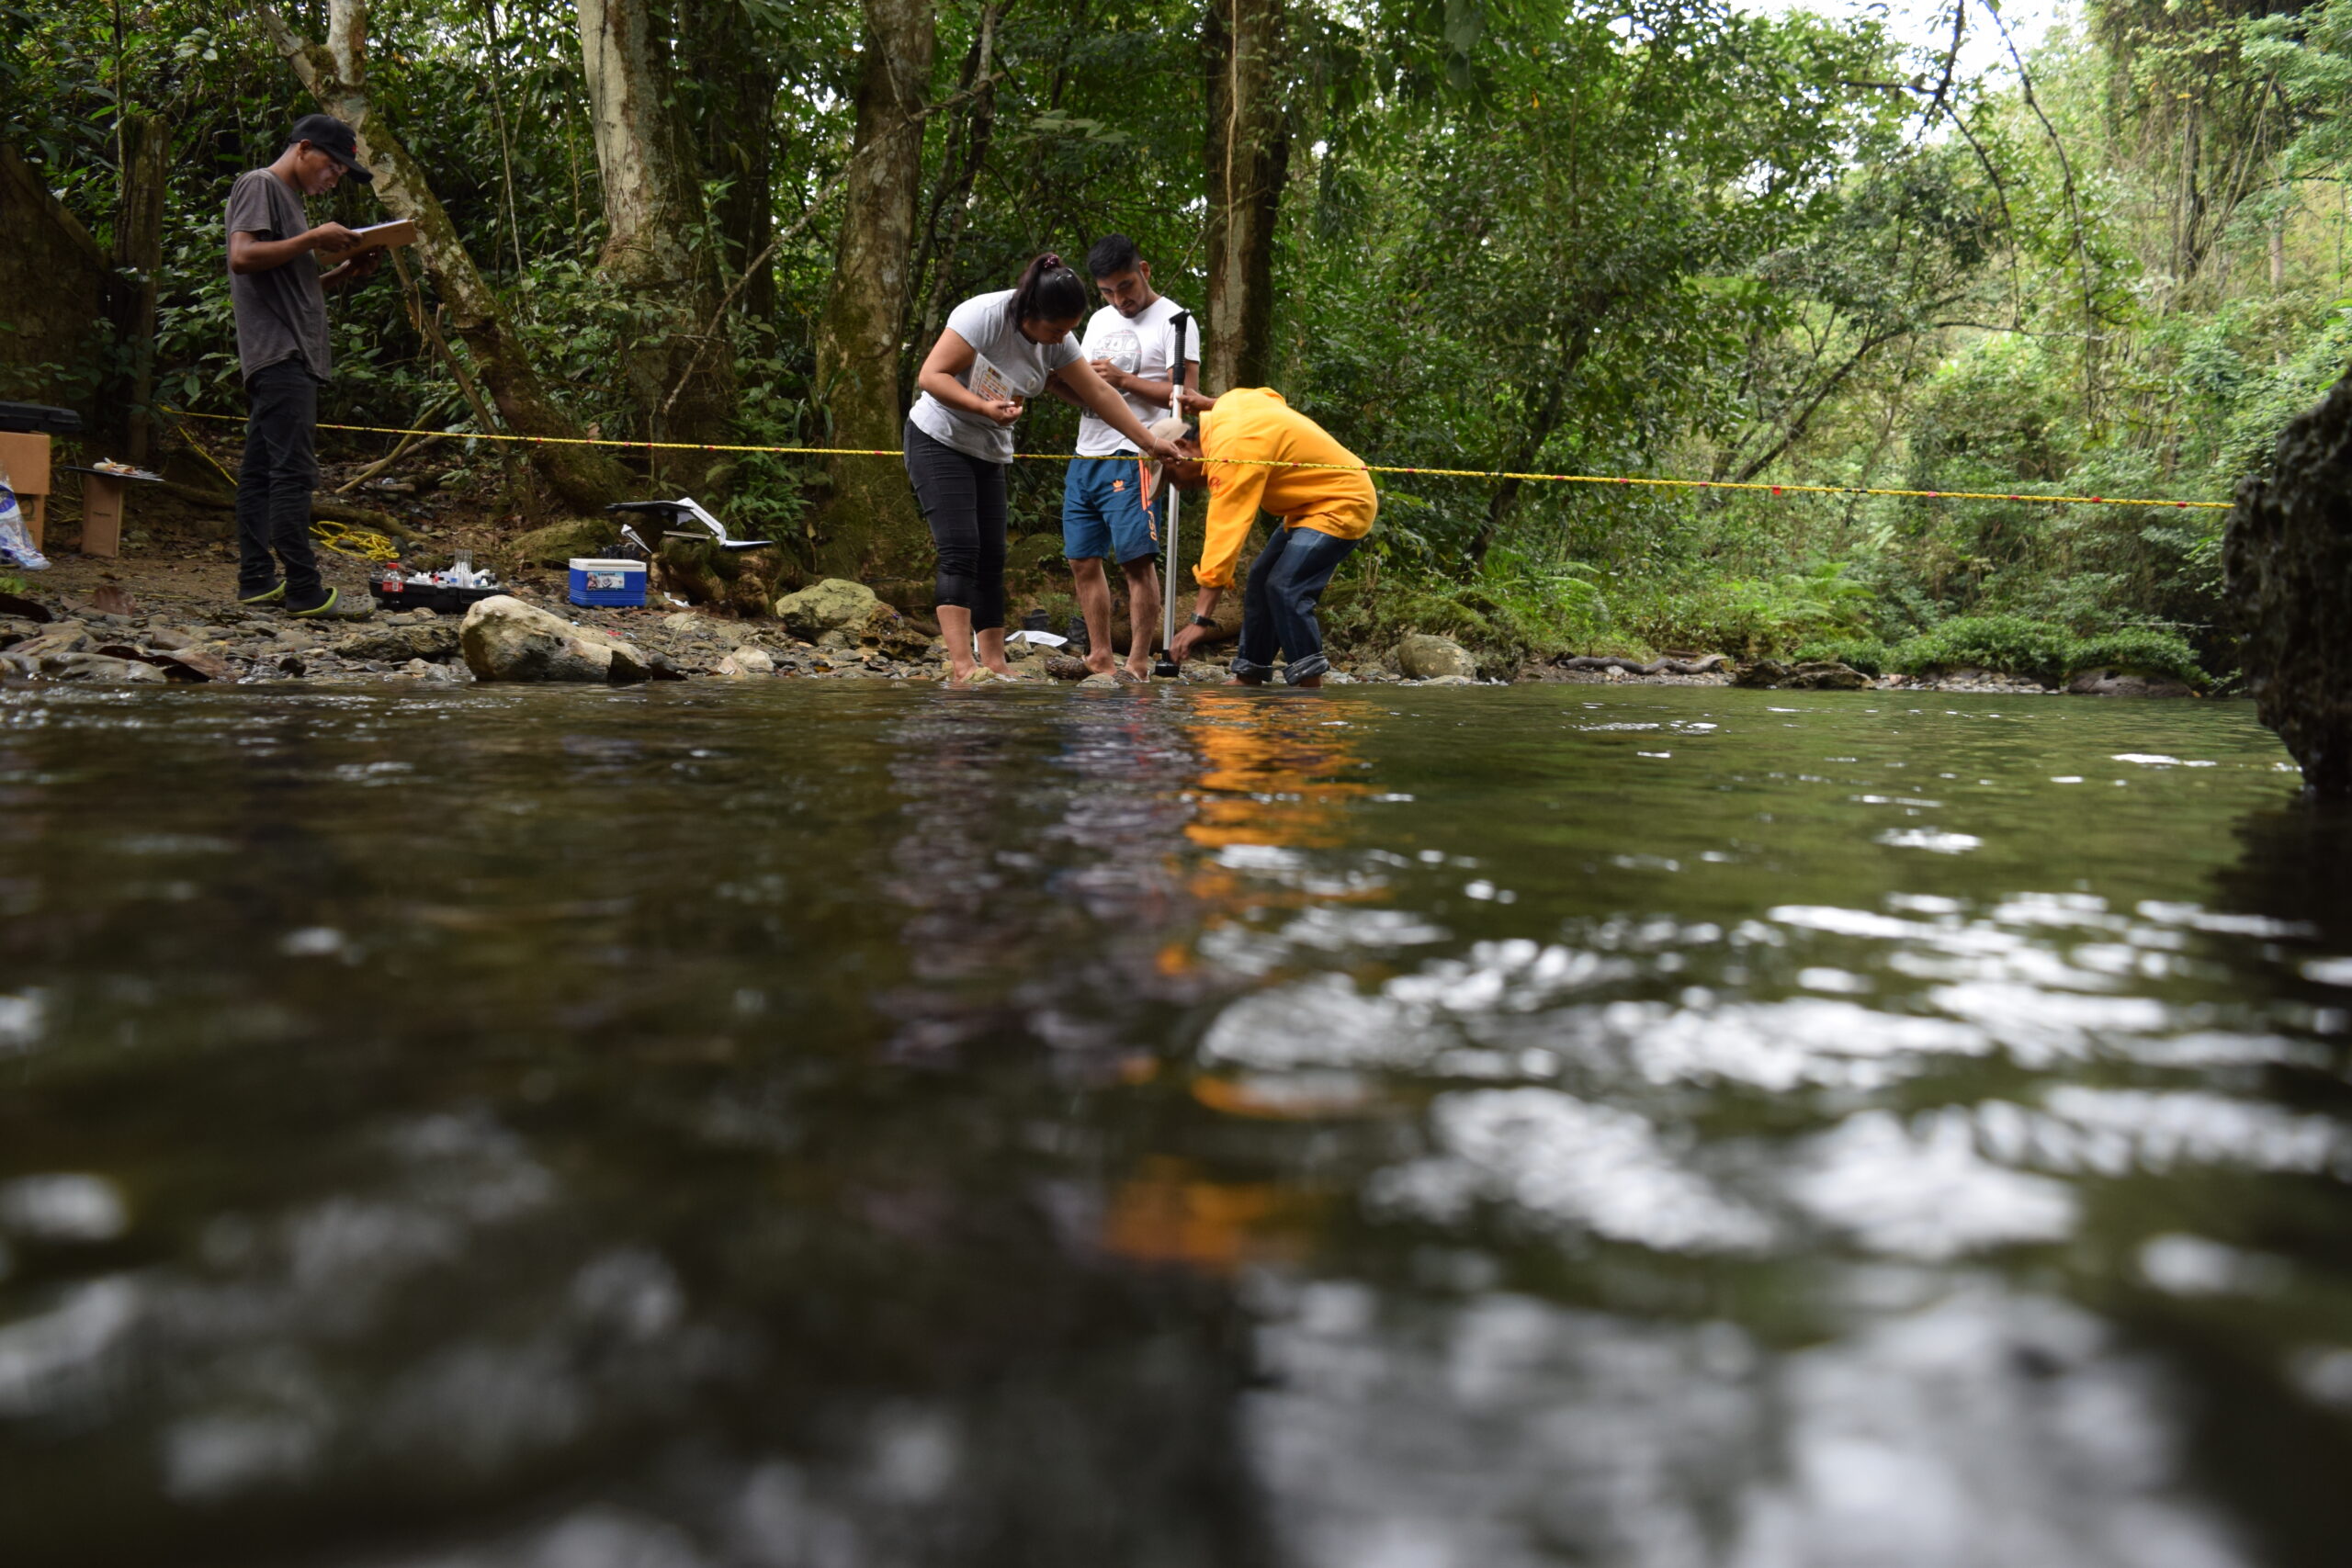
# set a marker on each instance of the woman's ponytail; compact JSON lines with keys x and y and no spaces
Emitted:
{"x":1048,"y":291}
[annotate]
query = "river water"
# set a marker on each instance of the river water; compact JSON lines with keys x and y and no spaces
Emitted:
{"x":1389,"y":1128}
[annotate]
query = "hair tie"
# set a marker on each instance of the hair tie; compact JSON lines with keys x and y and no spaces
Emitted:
{"x":1050,"y":261}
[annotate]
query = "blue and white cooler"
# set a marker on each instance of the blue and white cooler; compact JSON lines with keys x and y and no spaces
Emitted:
{"x":609,"y":582}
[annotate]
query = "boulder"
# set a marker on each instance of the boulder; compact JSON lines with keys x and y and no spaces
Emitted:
{"x":98,"y":667}
{"x":558,"y":543}
{"x":752,"y":662}
{"x":506,"y":639}
{"x":201,"y":664}
{"x":2286,"y":575}
{"x":2104,"y":683}
{"x":833,"y":605}
{"x":66,"y":637}
{"x":1426,"y":656}
{"x":630,"y":663}
{"x":892,"y":635}
{"x":1814,"y":675}
{"x":434,"y":640}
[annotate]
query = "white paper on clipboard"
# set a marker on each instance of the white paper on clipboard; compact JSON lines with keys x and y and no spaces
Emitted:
{"x":989,"y":382}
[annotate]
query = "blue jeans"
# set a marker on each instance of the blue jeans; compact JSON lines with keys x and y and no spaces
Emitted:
{"x":1278,"y":606}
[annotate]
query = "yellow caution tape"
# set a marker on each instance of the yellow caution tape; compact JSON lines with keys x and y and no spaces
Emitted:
{"x":1285,"y":462}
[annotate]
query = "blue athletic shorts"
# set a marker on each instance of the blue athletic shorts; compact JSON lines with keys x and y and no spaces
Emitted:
{"x":1102,"y":512}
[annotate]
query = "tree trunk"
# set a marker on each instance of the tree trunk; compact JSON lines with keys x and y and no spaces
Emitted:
{"x":1543,"y":418}
{"x":53,"y":289}
{"x":935,"y":267}
{"x":737,"y":141}
{"x":1248,"y":157}
{"x":870,"y":521}
{"x":582,"y":476}
{"x":651,"y":201}
{"x":138,"y":257}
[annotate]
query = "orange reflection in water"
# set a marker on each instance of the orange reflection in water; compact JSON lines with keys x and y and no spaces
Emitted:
{"x":1168,"y":1213}
{"x":1269,"y":777}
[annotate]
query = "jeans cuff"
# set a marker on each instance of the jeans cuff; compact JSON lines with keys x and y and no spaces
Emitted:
{"x":1252,"y":667}
{"x":1305,"y":668}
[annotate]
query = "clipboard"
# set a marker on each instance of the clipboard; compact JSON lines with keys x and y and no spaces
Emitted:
{"x":380,"y":237}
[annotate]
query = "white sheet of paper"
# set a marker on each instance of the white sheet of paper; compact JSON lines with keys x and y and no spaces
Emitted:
{"x":989,"y":382}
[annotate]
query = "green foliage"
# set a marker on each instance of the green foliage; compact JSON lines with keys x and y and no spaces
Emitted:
{"x":2141,"y":650}
{"x":2011,"y":645}
{"x":1514,"y":611}
{"x":1867,"y":654}
{"x":1750,"y":618}
{"x":2015,"y":645}
{"x":1678,"y":241}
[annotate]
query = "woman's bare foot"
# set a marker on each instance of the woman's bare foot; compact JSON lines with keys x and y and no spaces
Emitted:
{"x":1100,"y":661}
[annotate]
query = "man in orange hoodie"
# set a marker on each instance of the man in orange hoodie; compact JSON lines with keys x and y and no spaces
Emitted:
{"x":1253,"y":452}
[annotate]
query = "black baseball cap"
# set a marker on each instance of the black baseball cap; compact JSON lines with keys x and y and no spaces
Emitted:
{"x":333,"y":137}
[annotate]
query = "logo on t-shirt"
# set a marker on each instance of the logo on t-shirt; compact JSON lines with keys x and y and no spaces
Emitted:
{"x":1122,"y":349}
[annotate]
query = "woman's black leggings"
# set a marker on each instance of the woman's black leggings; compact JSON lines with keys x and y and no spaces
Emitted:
{"x":963,"y":500}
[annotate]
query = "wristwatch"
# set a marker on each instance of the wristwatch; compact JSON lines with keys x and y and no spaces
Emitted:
{"x":1204,"y":621}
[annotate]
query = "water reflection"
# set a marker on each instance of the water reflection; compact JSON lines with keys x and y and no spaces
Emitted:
{"x":830,"y":1128}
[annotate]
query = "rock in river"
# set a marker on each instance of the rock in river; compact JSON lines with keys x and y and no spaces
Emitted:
{"x":2287,"y":565}
{"x":506,"y":639}
{"x":2107,"y":682}
{"x":434,"y":640}
{"x":1814,"y":675}
{"x":834,"y":604}
{"x":1423,"y":657}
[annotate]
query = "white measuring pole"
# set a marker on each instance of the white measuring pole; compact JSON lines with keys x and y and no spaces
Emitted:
{"x":1175,"y":501}
{"x":1168,"y":583}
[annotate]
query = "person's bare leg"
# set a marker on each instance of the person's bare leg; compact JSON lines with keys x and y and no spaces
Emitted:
{"x":955,"y":630}
{"x":1143,"y":614}
{"x":993,"y":649}
{"x":1095,"y":603}
{"x":1309,"y":683}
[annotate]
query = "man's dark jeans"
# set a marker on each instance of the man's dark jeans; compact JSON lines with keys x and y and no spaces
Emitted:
{"x":274,"y":487}
{"x":1278,"y":606}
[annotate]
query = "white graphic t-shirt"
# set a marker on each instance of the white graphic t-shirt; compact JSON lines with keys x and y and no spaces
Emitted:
{"x":1141,"y":347}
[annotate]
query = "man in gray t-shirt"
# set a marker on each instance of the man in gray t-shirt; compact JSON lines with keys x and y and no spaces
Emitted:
{"x":279,"y":297}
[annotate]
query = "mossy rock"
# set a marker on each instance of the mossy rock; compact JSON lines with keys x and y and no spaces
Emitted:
{"x":700,"y":572}
{"x":829,"y":604}
{"x":558,"y":543}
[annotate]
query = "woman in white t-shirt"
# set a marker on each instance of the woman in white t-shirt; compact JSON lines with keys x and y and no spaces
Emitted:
{"x":998,"y":351}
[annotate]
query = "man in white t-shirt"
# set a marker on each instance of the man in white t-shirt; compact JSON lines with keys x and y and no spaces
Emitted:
{"x":1132,"y":344}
